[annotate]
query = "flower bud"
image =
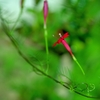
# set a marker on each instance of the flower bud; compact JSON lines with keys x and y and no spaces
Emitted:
{"x":45,"y":12}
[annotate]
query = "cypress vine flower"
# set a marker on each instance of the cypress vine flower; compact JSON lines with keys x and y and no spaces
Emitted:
{"x":61,"y":40}
{"x":45,"y":11}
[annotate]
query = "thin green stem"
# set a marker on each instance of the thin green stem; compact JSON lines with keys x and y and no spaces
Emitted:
{"x":46,"y":44}
{"x":78,"y":64}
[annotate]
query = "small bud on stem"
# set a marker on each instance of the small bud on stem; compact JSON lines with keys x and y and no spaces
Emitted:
{"x":45,"y":11}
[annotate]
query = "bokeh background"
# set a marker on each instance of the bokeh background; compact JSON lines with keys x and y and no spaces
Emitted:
{"x":81,"y":18}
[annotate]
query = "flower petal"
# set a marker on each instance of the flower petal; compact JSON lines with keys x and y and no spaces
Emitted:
{"x":67,"y":46}
{"x":65,"y":35}
{"x":61,"y":39}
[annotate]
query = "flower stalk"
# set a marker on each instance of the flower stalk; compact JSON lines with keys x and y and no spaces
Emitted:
{"x":61,"y":40}
{"x":45,"y":13}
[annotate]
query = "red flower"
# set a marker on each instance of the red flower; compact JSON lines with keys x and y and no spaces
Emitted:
{"x":61,"y":40}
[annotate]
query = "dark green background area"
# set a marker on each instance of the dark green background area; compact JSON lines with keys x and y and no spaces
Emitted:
{"x":18,"y":81}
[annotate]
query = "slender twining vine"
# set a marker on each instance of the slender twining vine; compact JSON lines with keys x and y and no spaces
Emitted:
{"x":71,"y":86}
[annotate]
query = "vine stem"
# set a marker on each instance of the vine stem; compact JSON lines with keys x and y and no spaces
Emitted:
{"x":78,"y":64}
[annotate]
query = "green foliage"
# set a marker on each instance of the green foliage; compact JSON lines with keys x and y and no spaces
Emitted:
{"x":81,"y":18}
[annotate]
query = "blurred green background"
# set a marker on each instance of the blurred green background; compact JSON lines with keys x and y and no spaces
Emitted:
{"x":81,"y":18}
